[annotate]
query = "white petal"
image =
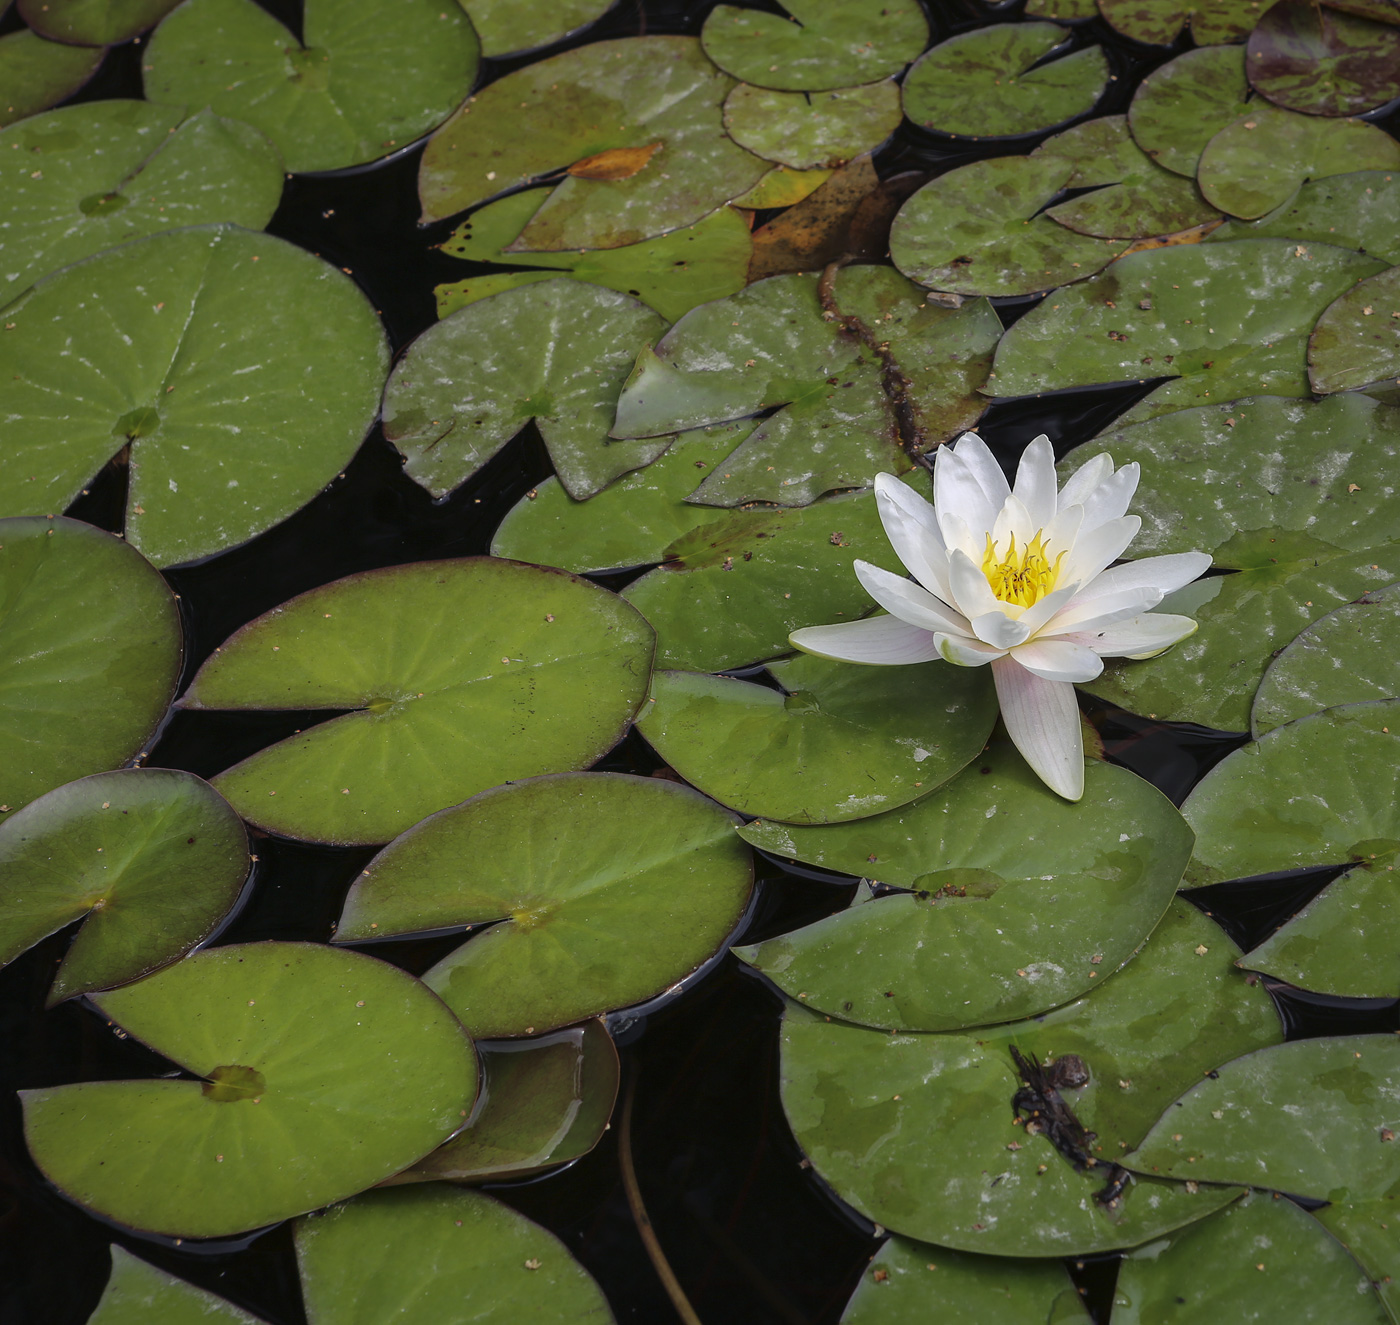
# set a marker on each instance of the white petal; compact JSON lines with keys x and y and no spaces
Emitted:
{"x":906,"y":600}
{"x":1035,"y":482}
{"x":1096,"y":549}
{"x":912,"y":528}
{"x":1085,"y":479}
{"x":1062,"y":532}
{"x":1094,"y":613}
{"x":968,"y":483}
{"x":972,"y":595}
{"x":1036,"y":616}
{"x":982,"y":464}
{"x":1059,"y":660}
{"x":958,"y":534}
{"x":1042,"y":719}
{"x":1110,"y":499}
{"x":884,"y":640}
{"x":1141,"y":637}
{"x":1013,"y":518}
{"x":1165,"y":573}
{"x":967,"y":652}
{"x":999,"y":630}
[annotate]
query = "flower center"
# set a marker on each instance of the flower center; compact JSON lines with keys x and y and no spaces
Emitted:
{"x":1022,"y":577}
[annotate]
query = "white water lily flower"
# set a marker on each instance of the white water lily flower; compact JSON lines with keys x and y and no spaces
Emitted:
{"x":1019,"y":578}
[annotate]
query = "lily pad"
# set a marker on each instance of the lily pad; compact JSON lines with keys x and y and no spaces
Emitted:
{"x":138,"y":1293}
{"x":427,"y":1255}
{"x":652,"y":102}
{"x":1004,"y":81}
{"x":911,"y":1283}
{"x":1254,"y":164}
{"x":1007,"y":918}
{"x":93,"y":22}
{"x":154,"y":860}
{"x":92,"y":176}
{"x":242,"y":371}
{"x":981,"y":229}
{"x":367,"y":76}
{"x":36,"y":74}
{"x":524,"y":671}
{"x":672,"y":274}
{"x":836,"y":742}
{"x":1346,"y":657}
{"x":507,"y":27}
{"x":87,"y":685}
{"x":1220,"y":320}
{"x":1181,"y":105}
{"x":1360,"y":211}
{"x":557,"y":352}
{"x":606,"y":889}
{"x":1261,"y":1259}
{"x":323,"y":1072}
{"x":917,"y":1131}
{"x":782,"y":187}
{"x":1322,"y":61}
{"x":634,"y":522}
{"x":818,"y":44}
{"x":547,"y":1102}
{"x":1356,"y":343}
{"x":1064,"y":11}
{"x":1368,"y":1230}
{"x":809,"y":130}
{"x":1313,"y":1118}
{"x":1159,"y":22}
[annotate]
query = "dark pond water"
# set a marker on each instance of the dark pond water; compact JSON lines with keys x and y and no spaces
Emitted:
{"x":753,"y":1236}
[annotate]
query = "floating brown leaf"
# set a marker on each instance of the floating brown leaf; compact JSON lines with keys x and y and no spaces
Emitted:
{"x":615,"y":163}
{"x":815,"y":232}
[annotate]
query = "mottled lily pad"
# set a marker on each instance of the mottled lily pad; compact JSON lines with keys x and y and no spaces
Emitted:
{"x":138,"y":1293}
{"x":154,"y":859}
{"x":1368,"y":1230}
{"x":93,"y":22}
{"x":92,"y":176}
{"x":1180,"y":106}
{"x":323,"y":1072}
{"x":1254,"y":164}
{"x":36,"y":74}
{"x":524,"y":671}
{"x":810,"y":130}
{"x":632,"y":93}
{"x":1015,"y":910}
{"x":1159,"y":22}
{"x":85,"y":687}
{"x":1356,"y":343}
{"x":672,"y":274}
{"x":428,"y":1255}
{"x":242,"y":371}
{"x":818,"y":44}
{"x":980,"y":229}
{"x":557,"y":352}
{"x":1003,"y":81}
{"x":1323,"y":61}
{"x":606,"y":889}
{"x":1359,"y":211}
{"x":918,"y":1132}
{"x":509,"y":26}
{"x":367,"y":76}
{"x":1220,"y":321}
{"x":836,"y":742}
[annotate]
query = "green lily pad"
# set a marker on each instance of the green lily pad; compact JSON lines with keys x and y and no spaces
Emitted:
{"x":1356,"y":343}
{"x":607,"y":890}
{"x":324,"y":1072}
{"x":920,"y":1283}
{"x":1159,"y":22}
{"x":154,"y":860}
{"x":1322,"y":61}
{"x":548,"y":1101}
{"x":1261,"y":1259}
{"x":634,"y":522}
{"x":557,"y":352}
{"x":1254,"y":164}
{"x":427,"y":1255}
{"x":1313,"y":1118}
{"x":1181,"y":105}
{"x":170,"y":368}
{"x":1224,"y":320}
{"x":1368,"y":1230}
{"x":1064,"y":11}
{"x":917,"y":1131}
{"x":805,"y":130}
{"x":649,"y":107}
{"x":367,"y":76}
{"x":138,"y":1293}
{"x":507,"y":27}
{"x":980,"y":229}
{"x":1002,"y":81}
{"x":36,"y":74}
{"x":85,"y":686}
{"x":96,"y":175}
{"x":93,"y":22}
{"x":819,"y":44}
{"x":1007,"y":920}
{"x":1359,"y":211}
{"x":837,"y":742}
{"x":524,"y":671}
{"x":1346,"y":657}
{"x":671,"y":274}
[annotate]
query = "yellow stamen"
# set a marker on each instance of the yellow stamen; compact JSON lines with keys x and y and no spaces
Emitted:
{"x":1021,"y":578}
